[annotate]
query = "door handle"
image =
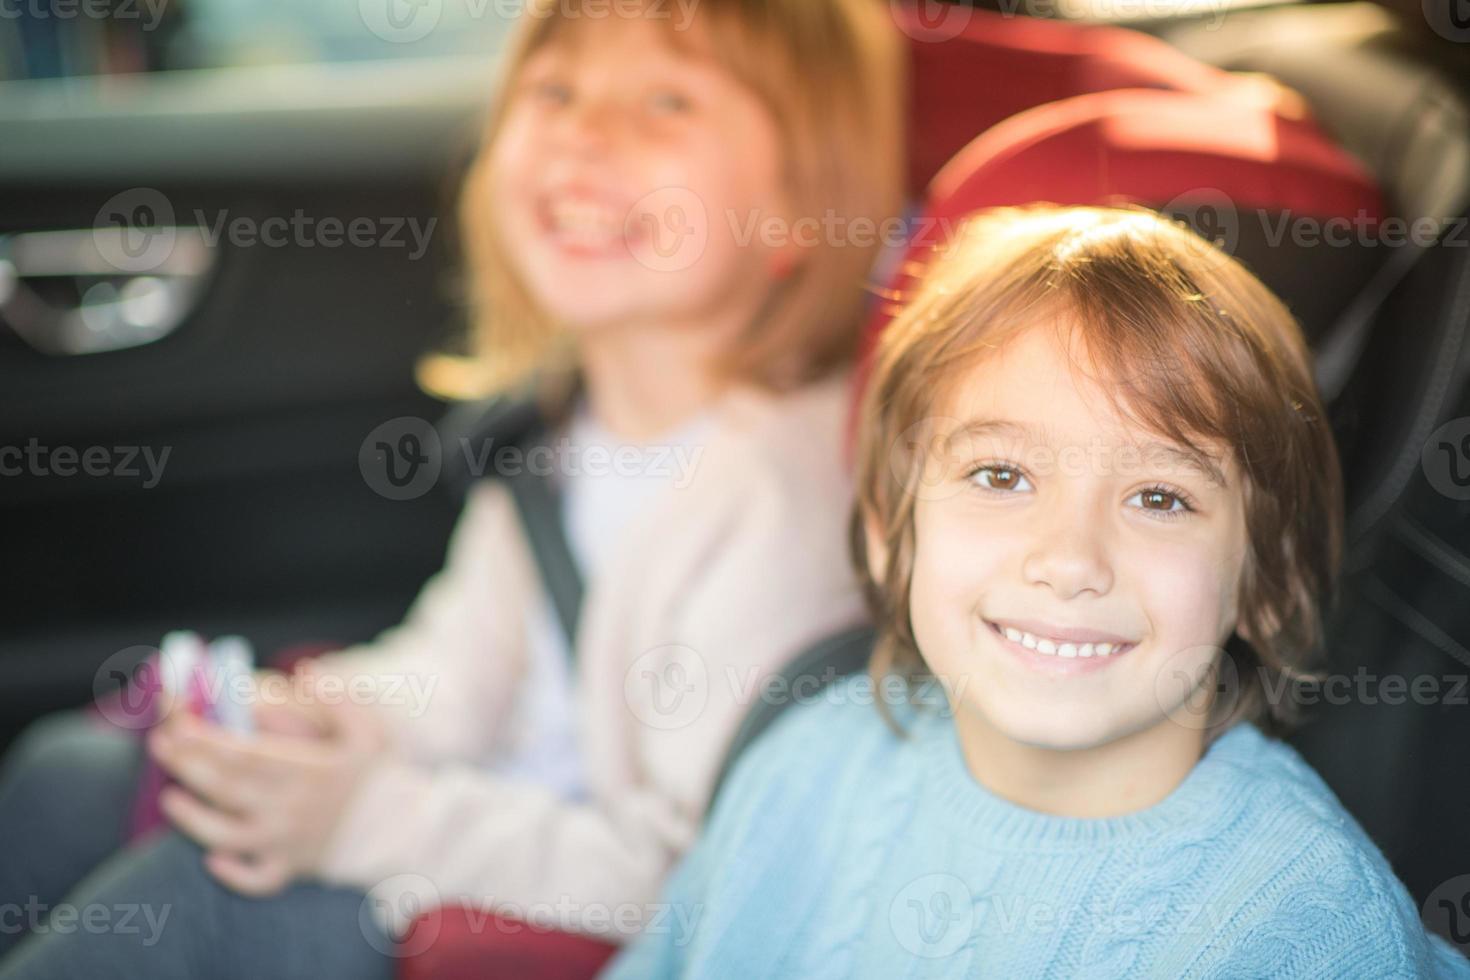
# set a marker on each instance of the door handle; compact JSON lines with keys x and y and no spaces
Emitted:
{"x":86,"y":291}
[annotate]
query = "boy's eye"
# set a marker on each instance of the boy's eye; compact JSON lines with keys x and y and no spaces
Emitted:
{"x":1163,"y":502}
{"x":1000,"y":477}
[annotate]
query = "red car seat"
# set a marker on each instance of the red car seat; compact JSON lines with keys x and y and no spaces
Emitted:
{"x":969,"y":69}
{"x":1235,"y":167}
{"x":459,"y":942}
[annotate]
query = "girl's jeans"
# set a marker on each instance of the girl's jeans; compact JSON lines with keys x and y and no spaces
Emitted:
{"x":75,"y":903}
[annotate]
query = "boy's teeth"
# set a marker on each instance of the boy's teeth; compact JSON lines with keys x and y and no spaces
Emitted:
{"x":1042,"y":645}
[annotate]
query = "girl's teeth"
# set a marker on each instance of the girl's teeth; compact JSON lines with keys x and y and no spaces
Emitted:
{"x":1051,"y":647}
{"x":588,"y":224}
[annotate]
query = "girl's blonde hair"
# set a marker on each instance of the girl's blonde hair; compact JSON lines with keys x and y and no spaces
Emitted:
{"x":1187,"y":343}
{"x":830,"y":73}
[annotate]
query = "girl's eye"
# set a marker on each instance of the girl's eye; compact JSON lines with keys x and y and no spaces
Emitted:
{"x":1001,"y":478}
{"x":551,"y":92}
{"x":1164,"y":502}
{"x":668,"y":102}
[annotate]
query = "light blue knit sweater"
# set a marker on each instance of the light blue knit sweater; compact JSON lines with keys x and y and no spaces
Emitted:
{"x":840,"y":850}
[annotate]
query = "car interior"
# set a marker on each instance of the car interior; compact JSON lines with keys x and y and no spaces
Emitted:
{"x":263,"y":369}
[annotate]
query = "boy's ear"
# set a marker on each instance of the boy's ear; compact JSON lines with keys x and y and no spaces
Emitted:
{"x":875,"y":548}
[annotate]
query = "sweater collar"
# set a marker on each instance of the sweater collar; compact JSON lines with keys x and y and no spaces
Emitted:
{"x":1200,"y":801}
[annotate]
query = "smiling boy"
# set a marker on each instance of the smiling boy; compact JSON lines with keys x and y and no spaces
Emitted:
{"x":1099,"y":503}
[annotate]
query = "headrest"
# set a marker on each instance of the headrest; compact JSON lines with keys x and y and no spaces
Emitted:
{"x":971,"y":68}
{"x":1242,"y":173}
{"x":1386,"y":86}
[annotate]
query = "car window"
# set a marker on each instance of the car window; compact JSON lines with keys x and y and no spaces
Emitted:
{"x":61,"y":38}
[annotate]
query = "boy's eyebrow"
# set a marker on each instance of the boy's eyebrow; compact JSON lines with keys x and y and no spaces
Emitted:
{"x":1152,"y":452}
{"x":1165,"y":453}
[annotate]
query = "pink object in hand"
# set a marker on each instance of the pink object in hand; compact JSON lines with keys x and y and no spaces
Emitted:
{"x":138,"y":708}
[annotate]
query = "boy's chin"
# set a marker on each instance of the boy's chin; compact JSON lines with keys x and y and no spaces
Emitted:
{"x":1054,"y":729}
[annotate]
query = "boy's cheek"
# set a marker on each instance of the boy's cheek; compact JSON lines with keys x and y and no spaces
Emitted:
{"x":954,"y":569}
{"x":967,"y":550}
{"x":1188,"y":606}
{"x":954,"y":558}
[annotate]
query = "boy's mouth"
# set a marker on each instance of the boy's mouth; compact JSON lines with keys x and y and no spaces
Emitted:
{"x":1079,"y":647}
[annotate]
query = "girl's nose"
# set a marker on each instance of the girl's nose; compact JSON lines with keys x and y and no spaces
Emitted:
{"x":1070,"y":554}
{"x":588,"y":128}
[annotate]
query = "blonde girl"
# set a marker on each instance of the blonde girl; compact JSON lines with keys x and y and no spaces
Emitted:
{"x":630,"y":259}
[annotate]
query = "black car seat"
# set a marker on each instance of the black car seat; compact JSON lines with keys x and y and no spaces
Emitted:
{"x":1395,"y":94}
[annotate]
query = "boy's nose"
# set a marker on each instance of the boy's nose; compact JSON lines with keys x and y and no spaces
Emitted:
{"x":1070,"y":554}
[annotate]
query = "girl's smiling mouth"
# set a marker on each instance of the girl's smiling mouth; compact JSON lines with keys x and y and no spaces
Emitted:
{"x":1060,"y":649}
{"x":585,"y":224}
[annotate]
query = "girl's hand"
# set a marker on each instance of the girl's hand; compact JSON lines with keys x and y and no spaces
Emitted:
{"x":264,"y":807}
{"x":284,"y":703}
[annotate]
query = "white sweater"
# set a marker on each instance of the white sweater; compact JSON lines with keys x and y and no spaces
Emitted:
{"x":604,"y":485}
{"x":723,"y":581}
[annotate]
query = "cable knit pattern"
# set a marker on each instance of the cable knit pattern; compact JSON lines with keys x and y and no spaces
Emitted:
{"x":842,"y":850}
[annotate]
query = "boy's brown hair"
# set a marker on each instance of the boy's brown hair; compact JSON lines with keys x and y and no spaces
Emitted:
{"x":830,"y":72}
{"x":1188,"y":344}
